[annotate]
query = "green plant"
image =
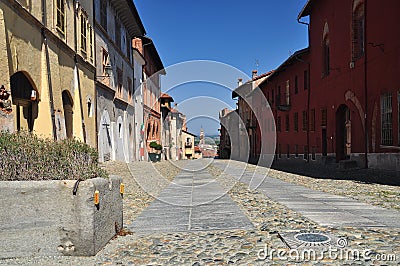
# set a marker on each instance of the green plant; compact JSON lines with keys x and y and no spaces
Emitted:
{"x":25,"y":156}
{"x":156,"y":146}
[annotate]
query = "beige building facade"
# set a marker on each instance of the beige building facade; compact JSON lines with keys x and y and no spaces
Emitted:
{"x":47,"y":81}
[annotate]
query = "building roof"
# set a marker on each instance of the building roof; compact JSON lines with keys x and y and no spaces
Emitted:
{"x":149,"y":46}
{"x":166,"y":96}
{"x":288,"y":62}
{"x":246,"y":87}
{"x":306,"y":11}
{"x":126,"y":14}
{"x":187,"y":132}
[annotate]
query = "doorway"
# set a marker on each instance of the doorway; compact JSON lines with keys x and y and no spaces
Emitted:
{"x":324,"y":142}
{"x":24,"y":97}
{"x":68,"y":113}
{"x":343,"y":133}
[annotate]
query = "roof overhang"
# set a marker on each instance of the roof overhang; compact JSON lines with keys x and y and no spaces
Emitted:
{"x":149,"y":47}
{"x":187,"y":132}
{"x":135,"y":28}
{"x":306,"y":11}
{"x":288,"y":62}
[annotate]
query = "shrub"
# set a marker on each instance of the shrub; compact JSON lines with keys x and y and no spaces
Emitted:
{"x":156,"y":146}
{"x":25,"y":156}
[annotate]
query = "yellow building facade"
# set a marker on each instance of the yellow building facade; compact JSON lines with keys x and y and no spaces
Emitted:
{"x":47,"y":82}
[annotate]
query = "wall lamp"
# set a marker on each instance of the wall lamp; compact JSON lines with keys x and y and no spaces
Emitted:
{"x":108,"y":71}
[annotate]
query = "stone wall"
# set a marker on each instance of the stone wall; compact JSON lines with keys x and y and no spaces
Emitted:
{"x":42,"y":218}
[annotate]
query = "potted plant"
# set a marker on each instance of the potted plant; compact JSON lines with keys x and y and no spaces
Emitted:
{"x":155,"y":156}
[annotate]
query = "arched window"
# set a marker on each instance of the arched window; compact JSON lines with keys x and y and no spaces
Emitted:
{"x":326,"y":51}
{"x":358,"y":23}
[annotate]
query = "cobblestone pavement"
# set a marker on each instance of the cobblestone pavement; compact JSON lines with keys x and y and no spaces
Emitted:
{"x":223,"y":247}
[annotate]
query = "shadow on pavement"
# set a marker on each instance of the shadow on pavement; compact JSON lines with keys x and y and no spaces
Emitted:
{"x":332,"y":171}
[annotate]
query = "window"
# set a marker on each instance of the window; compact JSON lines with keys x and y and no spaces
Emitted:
{"x":103,"y":14}
{"x":296,"y":122}
{"x":90,"y":32}
{"x":119,"y":82}
{"x":288,"y":151}
{"x":325,"y":51}
{"x":313,"y":152}
{"x":105,"y":61}
{"x":83,"y":33}
{"x":326,"y":56}
{"x":273,"y":96}
{"x":306,"y":78}
{"x":386,"y":119}
{"x":358,"y":24}
{"x":305,"y":121}
{"x":279,"y":151}
{"x":287,"y":127}
{"x":89,"y":107}
{"x":117,"y":33}
{"x":120,"y":130}
{"x":305,"y":155}
{"x":128,"y":47}
{"x":60,"y":20}
{"x":287,"y":92}
{"x":296,"y":85}
{"x":129,"y":89}
{"x":312,"y":120}
{"x":278,"y":97}
{"x":278,"y":126}
{"x":324,"y":117}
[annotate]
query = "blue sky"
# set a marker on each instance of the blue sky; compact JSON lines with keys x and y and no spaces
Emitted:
{"x":237,"y":33}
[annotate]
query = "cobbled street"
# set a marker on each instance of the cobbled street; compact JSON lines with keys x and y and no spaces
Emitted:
{"x":217,"y":212}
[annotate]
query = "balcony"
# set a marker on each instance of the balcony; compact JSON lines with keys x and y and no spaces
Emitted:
{"x":283,"y":102}
{"x":188,"y":144}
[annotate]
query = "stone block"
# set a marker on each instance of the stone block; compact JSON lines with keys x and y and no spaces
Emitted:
{"x":44,"y":218}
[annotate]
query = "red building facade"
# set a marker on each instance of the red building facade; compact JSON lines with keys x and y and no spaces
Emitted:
{"x":340,"y":97}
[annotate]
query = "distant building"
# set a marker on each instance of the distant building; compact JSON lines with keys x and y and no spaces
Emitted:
{"x":188,"y":143}
{"x":247,"y":122}
{"x":166,"y":137}
{"x":177,"y":124}
{"x":227,"y":130}
{"x":151,"y":92}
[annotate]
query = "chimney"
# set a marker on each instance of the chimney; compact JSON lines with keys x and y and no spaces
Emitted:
{"x":254,"y":74}
{"x":240,"y":82}
{"x":137,"y":44}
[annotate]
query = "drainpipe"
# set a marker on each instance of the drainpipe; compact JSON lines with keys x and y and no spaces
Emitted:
{"x":44,"y":22}
{"x":77,"y":73}
{"x":52,"y":113}
{"x":309,"y":90}
{"x":365,"y":88}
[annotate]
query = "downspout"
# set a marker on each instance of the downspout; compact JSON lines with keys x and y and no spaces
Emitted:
{"x":309,"y":91}
{"x":46,"y":48}
{"x":52,"y":113}
{"x":365,"y":88}
{"x":94,"y":105}
{"x":77,"y":73}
